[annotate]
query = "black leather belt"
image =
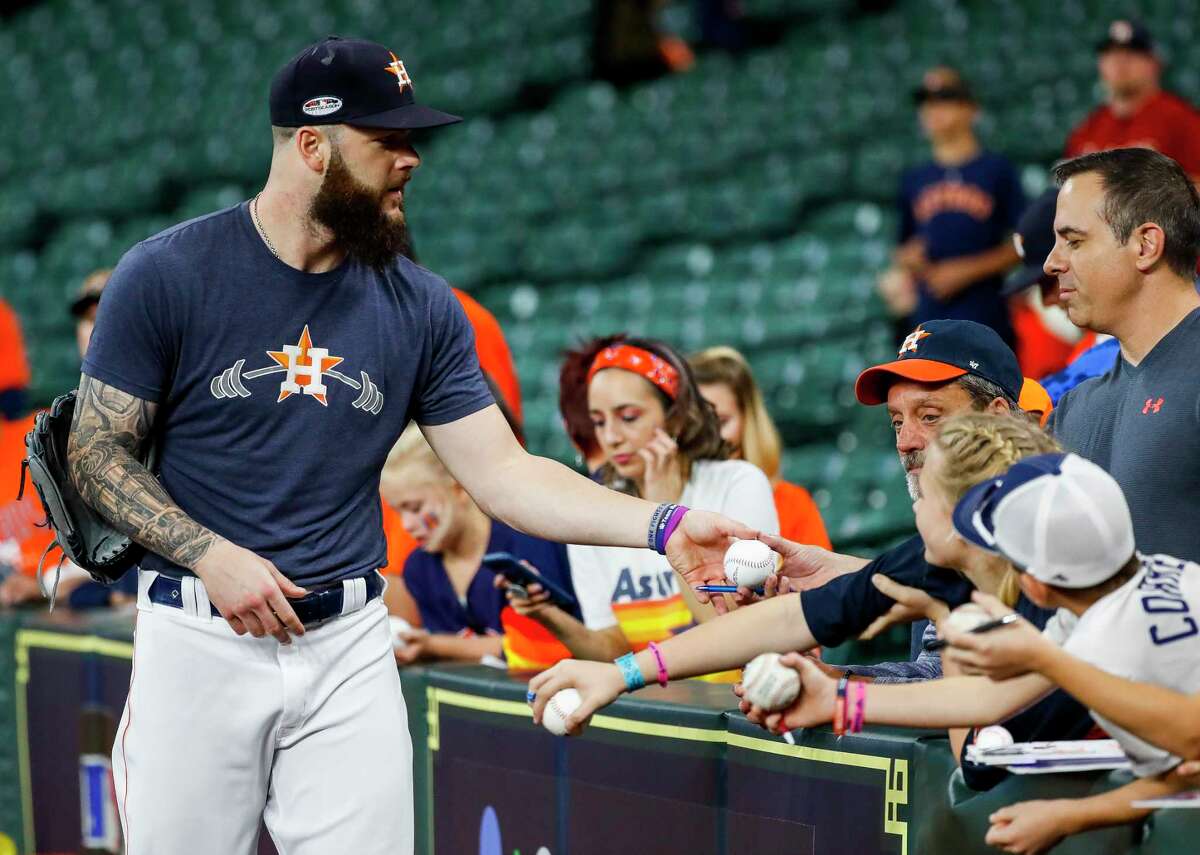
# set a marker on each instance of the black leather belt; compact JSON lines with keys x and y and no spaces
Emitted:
{"x":314,"y":608}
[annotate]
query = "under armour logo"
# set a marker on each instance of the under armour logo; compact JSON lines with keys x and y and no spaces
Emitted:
{"x":974,"y":365}
{"x":910,"y":343}
{"x":1152,"y":406}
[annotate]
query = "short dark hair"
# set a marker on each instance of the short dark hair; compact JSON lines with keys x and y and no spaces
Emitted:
{"x":984,"y":391}
{"x":1143,"y":186}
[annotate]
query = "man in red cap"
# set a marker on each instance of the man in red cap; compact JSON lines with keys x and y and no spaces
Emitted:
{"x":1137,"y":112}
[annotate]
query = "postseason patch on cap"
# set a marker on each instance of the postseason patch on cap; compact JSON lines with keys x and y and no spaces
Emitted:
{"x":322,"y":106}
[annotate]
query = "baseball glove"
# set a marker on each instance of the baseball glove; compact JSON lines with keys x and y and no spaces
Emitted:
{"x":82,"y":534}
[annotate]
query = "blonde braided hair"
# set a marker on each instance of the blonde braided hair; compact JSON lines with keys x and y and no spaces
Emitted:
{"x":979,"y":446}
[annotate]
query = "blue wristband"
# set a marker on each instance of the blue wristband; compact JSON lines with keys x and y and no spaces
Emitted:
{"x":631,"y":672}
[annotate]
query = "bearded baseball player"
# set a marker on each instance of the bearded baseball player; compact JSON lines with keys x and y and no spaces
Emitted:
{"x":276,"y":350}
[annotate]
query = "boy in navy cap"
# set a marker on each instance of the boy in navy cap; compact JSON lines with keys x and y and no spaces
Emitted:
{"x":957,"y":213}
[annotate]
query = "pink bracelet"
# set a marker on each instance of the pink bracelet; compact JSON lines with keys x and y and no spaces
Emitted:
{"x":858,"y":713}
{"x":663,"y":677}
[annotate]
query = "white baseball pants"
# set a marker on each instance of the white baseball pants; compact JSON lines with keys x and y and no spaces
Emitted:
{"x":221,"y":731}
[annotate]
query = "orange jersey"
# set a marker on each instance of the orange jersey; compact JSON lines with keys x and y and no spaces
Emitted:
{"x":400,"y":543}
{"x":21,"y":540}
{"x":492,"y":349}
{"x":529,"y":646}
{"x":1039,"y":351}
{"x":799,"y":517}
{"x":14,"y":367}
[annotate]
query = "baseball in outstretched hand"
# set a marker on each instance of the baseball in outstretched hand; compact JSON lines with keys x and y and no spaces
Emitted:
{"x":748,"y":563}
{"x":769,"y":685}
{"x":564,"y":702}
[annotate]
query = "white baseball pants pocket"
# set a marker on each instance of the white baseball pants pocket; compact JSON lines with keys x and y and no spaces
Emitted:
{"x":220,"y":731}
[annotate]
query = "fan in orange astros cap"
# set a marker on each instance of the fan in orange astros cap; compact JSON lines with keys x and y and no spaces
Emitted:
{"x":941,"y":351}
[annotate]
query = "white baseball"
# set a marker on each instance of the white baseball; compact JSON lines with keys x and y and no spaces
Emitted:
{"x":398,"y":626}
{"x":748,"y":563}
{"x":993,"y":736}
{"x":768,"y":684}
{"x":966,"y":617}
{"x":554,"y":716}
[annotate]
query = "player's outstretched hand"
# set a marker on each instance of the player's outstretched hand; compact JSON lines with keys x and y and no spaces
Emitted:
{"x":807,"y":566}
{"x":774,"y":586}
{"x":598,"y":684}
{"x":1007,"y":652}
{"x":911,"y":604}
{"x":697,"y":550}
{"x":1027,"y":828}
{"x":250,"y":592}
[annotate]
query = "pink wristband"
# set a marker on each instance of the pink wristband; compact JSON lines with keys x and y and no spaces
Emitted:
{"x":663,"y":677}
{"x":859,"y":706}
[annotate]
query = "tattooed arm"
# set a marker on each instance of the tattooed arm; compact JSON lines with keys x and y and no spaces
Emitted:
{"x":109,"y":428}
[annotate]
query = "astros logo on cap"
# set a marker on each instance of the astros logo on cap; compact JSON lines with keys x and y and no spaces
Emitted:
{"x":396,"y":67}
{"x":910,"y":343}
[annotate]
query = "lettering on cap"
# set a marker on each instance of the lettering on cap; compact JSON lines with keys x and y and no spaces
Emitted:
{"x":322,"y":105}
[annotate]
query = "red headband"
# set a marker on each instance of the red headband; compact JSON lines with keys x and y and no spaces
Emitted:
{"x":641,"y":362}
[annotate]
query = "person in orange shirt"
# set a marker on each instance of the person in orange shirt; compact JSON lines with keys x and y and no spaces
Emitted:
{"x":1045,"y":335}
{"x":23,"y":537}
{"x":21,"y":540}
{"x":14,"y":367}
{"x":494,"y":356}
{"x":727,"y":383}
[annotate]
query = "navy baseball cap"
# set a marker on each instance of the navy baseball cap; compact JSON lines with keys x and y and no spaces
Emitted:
{"x":943,"y":84}
{"x":940,"y":351}
{"x":1058,"y":517}
{"x":1034,"y":239}
{"x":1128,"y":34}
{"x":349,"y":82}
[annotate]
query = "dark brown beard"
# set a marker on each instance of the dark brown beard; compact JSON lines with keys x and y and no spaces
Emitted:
{"x":353,"y":213}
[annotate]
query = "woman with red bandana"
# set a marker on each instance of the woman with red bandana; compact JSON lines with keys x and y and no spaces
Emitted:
{"x":661,"y":441}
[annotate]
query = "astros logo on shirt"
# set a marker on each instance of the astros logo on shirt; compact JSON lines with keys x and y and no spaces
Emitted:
{"x":305,"y":368}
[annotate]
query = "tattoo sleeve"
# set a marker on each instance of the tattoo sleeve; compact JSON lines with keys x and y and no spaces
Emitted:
{"x":108,"y":429}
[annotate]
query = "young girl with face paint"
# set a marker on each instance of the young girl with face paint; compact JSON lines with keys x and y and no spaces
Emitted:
{"x":660,"y":440}
{"x":463,"y":613}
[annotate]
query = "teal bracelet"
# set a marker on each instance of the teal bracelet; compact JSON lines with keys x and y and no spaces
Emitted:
{"x":631,"y":672}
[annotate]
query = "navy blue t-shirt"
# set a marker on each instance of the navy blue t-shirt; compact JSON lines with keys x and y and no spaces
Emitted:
{"x":841,"y":609}
{"x":442,"y":611}
{"x":962,"y":210}
{"x":281,"y":392}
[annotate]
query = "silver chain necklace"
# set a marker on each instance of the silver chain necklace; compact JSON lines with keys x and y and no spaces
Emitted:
{"x":258,"y":225}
